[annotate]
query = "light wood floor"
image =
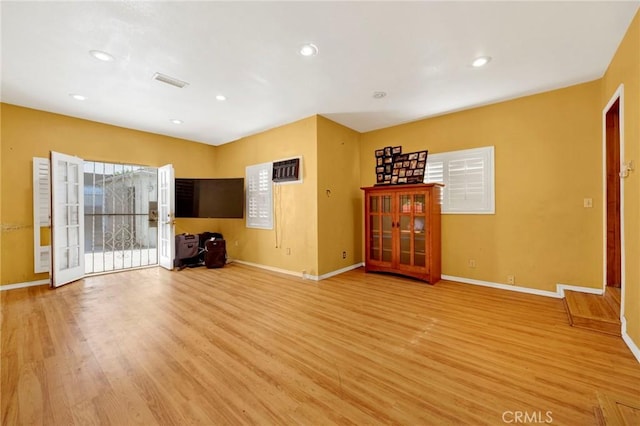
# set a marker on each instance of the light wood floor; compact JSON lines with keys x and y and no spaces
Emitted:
{"x":240,"y":345}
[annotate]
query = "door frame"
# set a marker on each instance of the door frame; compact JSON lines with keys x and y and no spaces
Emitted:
{"x":618,"y":95}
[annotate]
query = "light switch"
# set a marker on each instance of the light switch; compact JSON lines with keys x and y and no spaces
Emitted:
{"x":588,"y":202}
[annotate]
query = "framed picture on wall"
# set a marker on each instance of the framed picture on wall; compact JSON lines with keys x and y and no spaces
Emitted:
{"x":409,"y":167}
{"x":395,"y":167}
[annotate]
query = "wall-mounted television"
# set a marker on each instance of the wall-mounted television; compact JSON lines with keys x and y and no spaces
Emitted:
{"x":210,"y":198}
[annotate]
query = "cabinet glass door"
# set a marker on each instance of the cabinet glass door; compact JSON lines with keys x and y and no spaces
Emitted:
{"x":380,"y":221}
{"x":419,"y":226}
{"x":412,"y":229}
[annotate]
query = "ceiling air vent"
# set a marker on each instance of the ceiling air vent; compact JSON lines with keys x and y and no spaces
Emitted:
{"x":170,"y":80}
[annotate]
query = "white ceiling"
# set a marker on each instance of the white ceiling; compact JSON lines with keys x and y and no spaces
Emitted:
{"x":418,"y":52}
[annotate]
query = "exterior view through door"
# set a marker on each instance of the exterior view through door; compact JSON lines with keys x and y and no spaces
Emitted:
{"x":120,"y":233}
{"x":104,"y":217}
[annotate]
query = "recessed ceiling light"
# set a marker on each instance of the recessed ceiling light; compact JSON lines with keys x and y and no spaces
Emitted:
{"x":221,"y":97}
{"x":175,"y":121}
{"x":379,"y":95}
{"x":481,"y":61}
{"x":78,"y":97}
{"x":103,"y":56}
{"x":308,"y":49}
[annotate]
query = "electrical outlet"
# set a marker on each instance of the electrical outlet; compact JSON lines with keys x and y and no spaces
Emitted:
{"x":344,"y":254}
{"x":511,"y":279}
{"x":472,"y":263}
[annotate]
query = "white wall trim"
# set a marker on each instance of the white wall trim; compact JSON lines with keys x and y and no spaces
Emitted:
{"x":503,"y":286}
{"x":558,"y":294}
{"x":23,"y":285}
{"x":341,"y":271}
{"x":561,"y":288}
{"x":301,"y":274}
{"x":268,"y":268}
{"x":635,"y":350}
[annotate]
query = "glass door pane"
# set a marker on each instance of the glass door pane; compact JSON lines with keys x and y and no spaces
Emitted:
{"x":387,"y":245}
{"x":405,"y":239}
{"x":166,"y":212}
{"x":419,"y":227}
{"x":405,"y":207}
{"x":67,"y":207}
{"x":387,"y":228}
{"x":412,"y":229}
{"x":380,"y":221}
{"x":375,"y":231}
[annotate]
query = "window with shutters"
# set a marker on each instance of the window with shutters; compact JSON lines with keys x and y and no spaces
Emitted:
{"x":259,"y":196}
{"x":468,"y":176}
{"x":41,"y":214}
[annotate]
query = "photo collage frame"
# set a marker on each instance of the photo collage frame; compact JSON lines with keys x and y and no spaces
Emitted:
{"x":393,"y":167}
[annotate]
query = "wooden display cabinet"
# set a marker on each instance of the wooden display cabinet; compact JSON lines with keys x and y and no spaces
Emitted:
{"x":402,"y":230}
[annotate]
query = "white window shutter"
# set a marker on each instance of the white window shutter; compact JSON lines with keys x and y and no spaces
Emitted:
{"x":468,"y":176}
{"x":41,"y":213}
{"x":434,"y":173}
{"x":259,"y":196}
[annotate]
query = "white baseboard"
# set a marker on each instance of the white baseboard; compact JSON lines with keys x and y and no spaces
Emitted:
{"x":23,"y":285}
{"x":558,"y":294}
{"x":635,"y":350}
{"x":300,"y":274}
{"x":561,"y":288}
{"x":268,"y":268}
{"x":340,"y":271}
{"x":503,"y":286}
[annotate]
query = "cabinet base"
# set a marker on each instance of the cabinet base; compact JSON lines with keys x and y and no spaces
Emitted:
{"x":421,"y":276}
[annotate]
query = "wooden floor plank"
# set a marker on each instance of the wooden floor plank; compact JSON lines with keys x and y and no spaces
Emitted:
{"x":240,"y":345}
{"x":619,"y":410}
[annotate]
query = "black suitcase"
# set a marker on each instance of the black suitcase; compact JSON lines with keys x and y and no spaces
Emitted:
{"x":215,"y":254}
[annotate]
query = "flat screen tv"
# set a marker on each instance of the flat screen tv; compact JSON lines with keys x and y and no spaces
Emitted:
{"x":210,"y":198}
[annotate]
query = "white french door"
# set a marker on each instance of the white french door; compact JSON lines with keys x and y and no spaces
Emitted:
{"x":68,"y":221}
{"x":166,"y":235}
{"x":67,"y":217}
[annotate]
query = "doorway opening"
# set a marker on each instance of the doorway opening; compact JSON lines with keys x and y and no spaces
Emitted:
{"x":120,"y":233}
{"x":613,"y":197}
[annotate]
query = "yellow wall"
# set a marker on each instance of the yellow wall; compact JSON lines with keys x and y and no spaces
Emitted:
{"x":340,"y":214}
{"x":296,"y":212}
{"x":625,"y":69}
{"x":548,"y":159}
{"x":27,"y":133}
{"x":1,"y":222}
